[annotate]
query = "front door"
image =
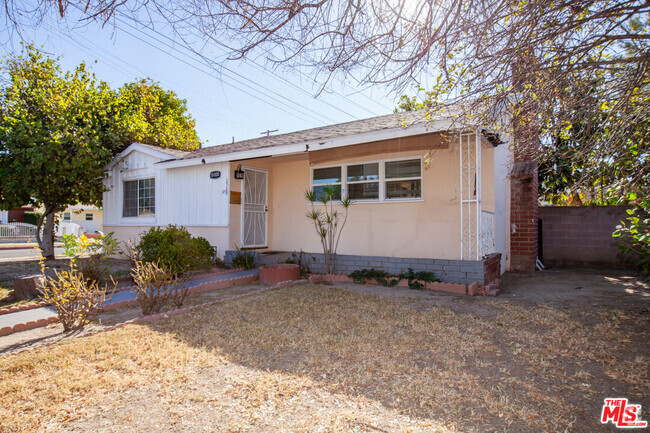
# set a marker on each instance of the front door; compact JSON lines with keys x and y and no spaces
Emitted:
{"x":254,"y":208}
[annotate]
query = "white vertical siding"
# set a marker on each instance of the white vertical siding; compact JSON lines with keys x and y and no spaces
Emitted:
{"x":184,"y":196}
{"x":193,"y":199}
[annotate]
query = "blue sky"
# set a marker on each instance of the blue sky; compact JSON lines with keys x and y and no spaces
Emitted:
{"x":240,"y":101}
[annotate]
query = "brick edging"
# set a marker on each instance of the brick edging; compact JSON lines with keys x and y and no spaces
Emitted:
{"x":208,"y":286}
{"x":152,"y":318}
{"x":40,"y":304}
{"x":24,"y":307}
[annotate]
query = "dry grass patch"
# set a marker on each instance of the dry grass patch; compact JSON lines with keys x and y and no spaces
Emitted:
{"x":321,"y":358}
{"x":57,"y":383}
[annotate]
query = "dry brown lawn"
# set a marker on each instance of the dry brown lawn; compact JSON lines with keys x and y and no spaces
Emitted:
{"x":320,"y":358}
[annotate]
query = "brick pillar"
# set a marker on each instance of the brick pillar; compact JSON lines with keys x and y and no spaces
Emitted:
{"x":523,"y":204}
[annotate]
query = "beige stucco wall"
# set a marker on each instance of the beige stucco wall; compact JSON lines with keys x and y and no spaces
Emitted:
{"x":426,"y":228}
{"x":217,"y":236}
{"x":487,"y":177}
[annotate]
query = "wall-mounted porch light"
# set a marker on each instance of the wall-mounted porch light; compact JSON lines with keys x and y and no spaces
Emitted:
{"x":239,"y":173}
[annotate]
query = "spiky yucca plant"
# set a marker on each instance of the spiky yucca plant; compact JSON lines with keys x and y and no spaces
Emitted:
{"x":329,"y":220}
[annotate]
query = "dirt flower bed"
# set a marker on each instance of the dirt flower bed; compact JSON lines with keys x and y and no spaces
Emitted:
{"x":322,"y":358}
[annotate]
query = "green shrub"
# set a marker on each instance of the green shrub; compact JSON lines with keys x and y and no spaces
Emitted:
{"x":635,"y":233}
{"x":174,"y":248}
{"x":32,"y":217}
{"x":244,"y":259}
{"x":415,"y":279}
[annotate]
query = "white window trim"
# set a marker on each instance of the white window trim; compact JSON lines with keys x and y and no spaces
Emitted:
{"x":382,"y":180}
{"x":140,"y":217}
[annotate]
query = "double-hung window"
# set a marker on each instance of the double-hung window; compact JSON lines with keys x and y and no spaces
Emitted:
{"x":388,"y":180}
{"x":139,"y":198}
{"x":363,"y":181}
{"x":324,"y":177}
{"x":403,"y":179}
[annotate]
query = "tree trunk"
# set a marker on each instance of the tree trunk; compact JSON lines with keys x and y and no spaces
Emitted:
{"x":46,"y":240}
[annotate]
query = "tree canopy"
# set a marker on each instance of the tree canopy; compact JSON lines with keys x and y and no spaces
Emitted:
{"x":58,"y":131}
{"x":149,"y":114}
{"x":546,"y":63}
{"x":56,"y":136}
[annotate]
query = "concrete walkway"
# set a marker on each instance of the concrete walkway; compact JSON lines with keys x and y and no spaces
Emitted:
{"x":35,"y":314}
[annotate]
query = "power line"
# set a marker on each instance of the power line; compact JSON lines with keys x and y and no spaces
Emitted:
{"x":264,"y":70}
{"x":258,"y":97}
{"x":209,"y":110}
{"x":317,"y":117}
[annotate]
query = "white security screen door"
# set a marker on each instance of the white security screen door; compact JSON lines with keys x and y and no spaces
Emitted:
{"x":255,"y":209}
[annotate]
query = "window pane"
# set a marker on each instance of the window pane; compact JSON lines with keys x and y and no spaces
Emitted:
{"x":130,"y":206}
{"x":89,"y":217}
{"x":363,"y":172}
{"x":398,"y":169}
{"x":66,"y":216}
{"x":361,"y":191}
{"x":403,"y":189}
{"x":146,"y":197}
{"x":320,"y":189}
{"x":323,"y":176}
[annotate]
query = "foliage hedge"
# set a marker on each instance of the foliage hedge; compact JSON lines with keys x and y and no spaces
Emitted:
{"x":174,"y":248}
{"x":415,"y":279}
{"x":32,"y":217}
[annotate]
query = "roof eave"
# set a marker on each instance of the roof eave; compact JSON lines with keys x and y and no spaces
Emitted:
{"x":311,"y":145}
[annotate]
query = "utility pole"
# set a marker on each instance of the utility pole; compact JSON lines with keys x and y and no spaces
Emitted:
{"x":268,"y":132}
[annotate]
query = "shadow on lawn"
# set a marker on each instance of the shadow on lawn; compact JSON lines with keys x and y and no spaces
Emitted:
{"x":525,"y":368}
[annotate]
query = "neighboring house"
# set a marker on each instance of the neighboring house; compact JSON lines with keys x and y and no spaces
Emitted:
{"x":16,"y":215}
{"x":446,"y":216}
{"x":89,"y":218}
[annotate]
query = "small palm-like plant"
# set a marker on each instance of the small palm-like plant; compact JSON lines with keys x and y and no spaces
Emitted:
{"x":328,"y":220}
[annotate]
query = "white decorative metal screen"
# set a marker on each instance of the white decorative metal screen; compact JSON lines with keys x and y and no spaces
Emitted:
{"x":487,"y":233}
{"x":470,"y":196}
{"x":254,"y":221}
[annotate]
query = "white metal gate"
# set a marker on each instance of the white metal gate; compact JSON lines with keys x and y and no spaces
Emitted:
{"x":255,"y":208}
{"x":470,"y":196}
{"x":17,"y":230}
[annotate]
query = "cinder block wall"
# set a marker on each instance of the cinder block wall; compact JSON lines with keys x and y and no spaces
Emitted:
{"x":448,"y":271}
{"x":582,"y":236}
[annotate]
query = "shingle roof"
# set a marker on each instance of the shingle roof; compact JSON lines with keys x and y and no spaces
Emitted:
{"x":171,"y":152}
{"x":390,"y":121}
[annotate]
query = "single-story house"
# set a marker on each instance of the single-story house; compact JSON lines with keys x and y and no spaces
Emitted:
{"x":88,"y":217}
{"x":448,"y":213}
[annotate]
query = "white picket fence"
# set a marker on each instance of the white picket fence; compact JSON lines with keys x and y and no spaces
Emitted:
{"x":17,"y":230}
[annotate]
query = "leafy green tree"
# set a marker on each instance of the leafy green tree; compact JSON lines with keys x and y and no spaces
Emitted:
{"x":635,"y":233}
{"x":56,"y":137}
{"x":150,"y":114}
{"x":59,"y":130}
